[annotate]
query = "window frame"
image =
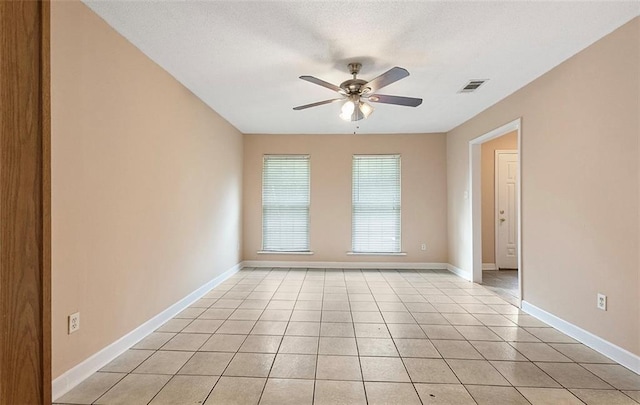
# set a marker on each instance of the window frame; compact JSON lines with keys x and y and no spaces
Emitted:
{"x":399,"y":251}
{"x":306,"y":157}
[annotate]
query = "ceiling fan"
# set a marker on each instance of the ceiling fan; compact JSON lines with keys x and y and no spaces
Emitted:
{"x":357,"y":92}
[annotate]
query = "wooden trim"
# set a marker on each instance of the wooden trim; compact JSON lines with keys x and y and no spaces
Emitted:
{"x":45,"y":88}
{"x":25,"y":204}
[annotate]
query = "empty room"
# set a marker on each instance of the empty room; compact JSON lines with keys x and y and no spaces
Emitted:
{"x":320,"y":202}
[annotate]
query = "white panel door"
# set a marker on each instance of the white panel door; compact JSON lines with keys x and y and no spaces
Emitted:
{"x":506,"y":209}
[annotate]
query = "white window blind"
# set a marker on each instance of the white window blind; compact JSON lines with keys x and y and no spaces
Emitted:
{"x":376,"y":204}
{"x":285,"y":203}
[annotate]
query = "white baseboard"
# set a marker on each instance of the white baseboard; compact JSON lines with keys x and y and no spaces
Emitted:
{"x":489,"y":266}
{"x":359,"y":265}
{"x":612,"y":351}
{"x":459,"y":272}
{"x":345,"y":265}
{"x":77,"y":374}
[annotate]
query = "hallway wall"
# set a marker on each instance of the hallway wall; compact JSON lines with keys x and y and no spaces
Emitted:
{"x":580,"y":186}
{"x":505,"y":142}
{"x":146,"y":186}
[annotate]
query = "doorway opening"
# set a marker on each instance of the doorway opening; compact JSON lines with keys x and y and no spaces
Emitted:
{"x":494,"y":161}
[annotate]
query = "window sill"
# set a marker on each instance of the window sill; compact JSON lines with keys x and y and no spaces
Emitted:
{"x":275,"y":252}
{"x":376,"y":254}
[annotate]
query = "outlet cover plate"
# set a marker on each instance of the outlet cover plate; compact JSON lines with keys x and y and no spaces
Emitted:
{"x":74,"y":322}
{"x":602,"y":302}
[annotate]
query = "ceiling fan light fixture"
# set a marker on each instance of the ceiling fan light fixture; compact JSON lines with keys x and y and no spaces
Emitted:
{"x":349,"y":112}
{"x":361,"y":112}
{"x":366,"y":109}
{"x":348,"y":107}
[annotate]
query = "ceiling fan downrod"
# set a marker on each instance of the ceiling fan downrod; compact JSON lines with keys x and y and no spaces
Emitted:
{"x":355,"y":85}
{"x":354,"y":68}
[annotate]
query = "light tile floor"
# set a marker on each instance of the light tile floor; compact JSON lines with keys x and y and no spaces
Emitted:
{"x":502,"y":282}
{"x":297,"y":336}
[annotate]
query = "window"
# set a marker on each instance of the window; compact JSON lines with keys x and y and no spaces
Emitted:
{"x":376,"y":204}
{"x":285,"y":203}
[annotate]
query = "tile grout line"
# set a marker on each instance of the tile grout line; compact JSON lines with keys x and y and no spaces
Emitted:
{"x":234,"y":355}
{"x":443,"y":359}
{"x":440,"y":353}
{"x":159,"y":349}
{"x":283,"y":334}
{"x":489,"y":362}
{"x":355,"y":338}
{"x":427,"y":338}
{"x":315,"y":376}
{"x":483,"y":356}
{"x":469,"y":342}
{"x":394,"y":342}
{"x":510,"y":343}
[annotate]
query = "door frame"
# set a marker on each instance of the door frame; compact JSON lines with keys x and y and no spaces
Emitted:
{"x":475,"y":200}
{"x":495,"y":199}
{"x":25,"y":203}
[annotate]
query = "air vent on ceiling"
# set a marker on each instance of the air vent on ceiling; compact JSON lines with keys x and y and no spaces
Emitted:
{"x":472,"y":86}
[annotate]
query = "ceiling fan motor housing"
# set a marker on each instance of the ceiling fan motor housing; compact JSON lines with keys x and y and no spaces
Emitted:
{"x":354,"y":86}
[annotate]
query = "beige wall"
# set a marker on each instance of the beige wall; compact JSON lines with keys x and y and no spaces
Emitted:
{"x":505,"y":142}
{"x":146,"y":186}
{"x":424,"y":203}
{"x":580,"y":186}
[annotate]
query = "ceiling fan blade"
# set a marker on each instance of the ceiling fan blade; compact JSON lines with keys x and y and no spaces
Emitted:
{"x":302,"y":107}
{"x":321,"y":82}
{"x":398,"y":100}
{"x":390,"y":76}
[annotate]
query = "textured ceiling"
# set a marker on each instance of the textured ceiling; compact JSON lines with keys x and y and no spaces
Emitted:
{"x":244,"y":58}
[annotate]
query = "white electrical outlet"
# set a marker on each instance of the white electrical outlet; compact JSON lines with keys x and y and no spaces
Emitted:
{"x":423,"y":246}
{"x":602,"y":302}
{"x":74,"y":322}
